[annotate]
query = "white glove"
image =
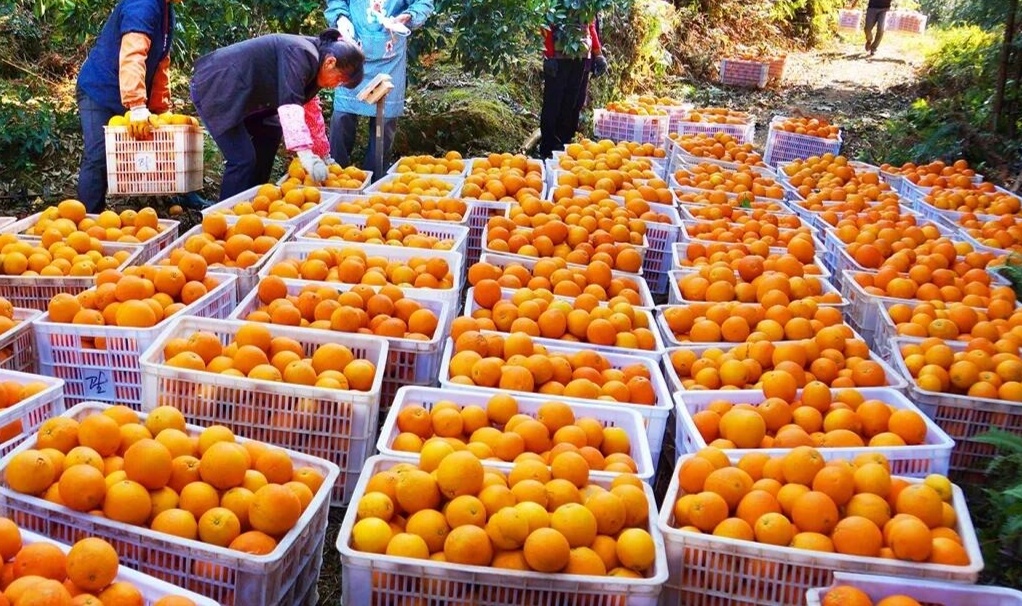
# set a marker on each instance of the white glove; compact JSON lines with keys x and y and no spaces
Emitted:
{"x":346,"y":28}
{"x":313,"y":165}
{"x":138,"y":122}
{"x":329,"y":161}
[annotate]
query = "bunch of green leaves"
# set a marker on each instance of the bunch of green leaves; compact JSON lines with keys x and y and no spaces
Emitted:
{"x":1000,"y":526}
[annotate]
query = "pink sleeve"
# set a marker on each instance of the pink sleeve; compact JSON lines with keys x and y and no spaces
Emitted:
{"x":296,"y":132}
{"x":317,"y":128}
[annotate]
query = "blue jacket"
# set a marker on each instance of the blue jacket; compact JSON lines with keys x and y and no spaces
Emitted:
{"x":99,"y":77}
{"x":385,"y":53}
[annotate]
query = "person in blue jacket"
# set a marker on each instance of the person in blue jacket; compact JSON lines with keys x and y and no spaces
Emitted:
{"x":252,"y":94}
{"x":125,"y":72}
{"x":382,"y":28}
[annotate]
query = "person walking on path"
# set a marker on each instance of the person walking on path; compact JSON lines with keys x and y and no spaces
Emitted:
{"x":252,"y":94}
{"x":382,"y":28}
{"x":572,"y":52}
{"x":876,"y":16}
{"x":125,"y":73}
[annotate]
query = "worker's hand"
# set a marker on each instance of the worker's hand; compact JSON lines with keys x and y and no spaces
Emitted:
{"x":403,"y":18}
{"x":347,"y":28}
{"x":599,"y":65}
{"x":313,"y":165}
{"x":550,"y":68}
{"x":329,"y":161}
{"x":139,"y":125}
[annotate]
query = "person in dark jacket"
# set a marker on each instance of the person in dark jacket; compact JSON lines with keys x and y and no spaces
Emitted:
{"x":125,"y":73}
{"x":876,"y":14}
{"x":252,"y":94}
{"x":566,"y":81}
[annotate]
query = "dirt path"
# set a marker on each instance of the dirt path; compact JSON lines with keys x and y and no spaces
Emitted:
{"x":839,"y":81}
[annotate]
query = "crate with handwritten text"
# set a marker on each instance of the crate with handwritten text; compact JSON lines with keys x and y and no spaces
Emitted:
{"x":168,"y":163}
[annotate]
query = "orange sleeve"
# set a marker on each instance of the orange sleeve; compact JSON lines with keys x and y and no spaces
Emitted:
{"x":595,"y":35}
{"x":134,"y":49}
{"x":160,"y":97}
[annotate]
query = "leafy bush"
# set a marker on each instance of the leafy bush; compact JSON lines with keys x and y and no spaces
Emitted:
{"x":34,"y":131}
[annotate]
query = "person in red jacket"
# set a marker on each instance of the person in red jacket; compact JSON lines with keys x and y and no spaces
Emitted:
{"x":572,"y":52}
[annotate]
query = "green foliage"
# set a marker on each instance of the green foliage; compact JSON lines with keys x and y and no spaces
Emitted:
{"x":988,"y":14}
{"x":34,"y":129}
{"x":1000,"y":526}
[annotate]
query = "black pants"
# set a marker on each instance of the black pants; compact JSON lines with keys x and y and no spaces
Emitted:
{"x":343,"y":129}
{"x":249,"y":150}
{"x":92,"y":173}
{"x":563,"y":98}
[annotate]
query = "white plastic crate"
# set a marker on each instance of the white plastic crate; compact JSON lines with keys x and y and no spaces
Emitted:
{"x":917,"y":197}
{"x":455,"y":181}
{"x":285,"y":576}
{"x":778,"y":65}
{"x":919,"y":461}
{"x":671,"y":339}
{"x":675,"y":297}
{"x":111,"y":373}
{"x":410,"y":362}
{"x":886,"y":330}
{"x":479,"y":214}
{"x":653,"y":354}
{"x":619,"y":127}
{"x":151,"y":588}
{"x":640,"y":248}
{"x":35,"y":292}
{"x":248,"y":277}
{"x":925,"y":592}
{"x":894,"y":379}
{"x":655,"y":416}
{"x":338,"y":425}
{"x":368,"y":578}
{"x":393,"y":169}
{"x":782,"y":146}
{"x":455,"y":261}
{"x":680,"y":251}
{"x":608,"y":415}
{"x":168,"y":163}
{"x":849,"y":18}
{"x":149,"y":248}
{"x":740,"y":72}
{"x":340,"y":190}
{"x":457,"y":234}
{"x":691,"y":213}
{"x":506,"y":260}
{"x":962,"y":417}
{"x":743,"y":133}
{"x":30,"y":412}
{"x":366,"y":196}
{"x":326,"y":200}
{"x":676,"y":113}
{"x":17,"y":345}
{"x":708,"y":570}
{"x":906,"y":21}
{"x":6,"y":222}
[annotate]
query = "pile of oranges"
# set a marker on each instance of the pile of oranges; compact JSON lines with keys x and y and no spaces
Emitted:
{"x":771,"y":229}
{"x":1004,"y":232}
{"x":137,"y":297}
{"x":935,"y":173}
{"x":78,"y":255}
{"x":959,"y":322}
{"x":604,"y":155}
{"x":574,"y":208}
{"x":717,"y":115}
{"x":691,"y":200}
{"x":538,"y":314}
{"x":354,"y":266}
{"x":720,"y":146}
{"x":378,"y":229}
{"x":874,"y":247}
{"x":945,"y":285}
{"x":734,"y":322}
{"x":152,"y":473}
{"x":573,"y":243}
{"x":753,"y":259}
{"x":350,"y":177}
{"x":57,"y":223}
{"x":450,"y":164}
{"x":835,"y":201}
{"x":979,"y":369}
{"x":499,"y":431}
{"x":848,"y":224}
{"x":11,"y":393}
{"x":554,"y":275}
{"x":846,"y":595}
{"x":504,"y":177}
{"x":239,"y":243}
{"x":799,"y":500}
{"x":741,"y":180}
{"x":614,"y":182}
{"x":813,"y":127}
{"x":257,"y":354}
{"x":387,"y":313}
{"x":811,"y":420}
{"x":41,"y":573}
{"x":527,"y":519}
{"x":718,"y":283}
{"x":406,"y":207}
{"x":781,"y":369}
{"x":835,"y":173}
{"x":982,"y":199}
{"x":635,"y":108}
{"x":277,"y":203}
{"x":416,"y":184}
{"x":515,"y":363}
{"x":738,"y":214}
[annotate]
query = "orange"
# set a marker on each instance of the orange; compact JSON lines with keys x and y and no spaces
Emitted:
{"x":176,"y":522}
{"x":92,"y":564}
{"x":846,"y":595}
{"x":814,"y":512}
{"x":41,"y":559}
{"x":636,"y":550}
{"x":219,"y":526}
{"x":148,"y":462}
{"x":223,"y":465}
{"x":856,"y":535}
{"x":274,"y":510}
{"x":923,"y":502}
{"x":546,"y":550}
{"x":82,"y":487}
{"x":30,"y":472}
{"x":468,"y":545}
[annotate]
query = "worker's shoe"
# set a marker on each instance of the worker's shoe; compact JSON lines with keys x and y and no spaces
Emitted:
{"x":193,"y":201}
